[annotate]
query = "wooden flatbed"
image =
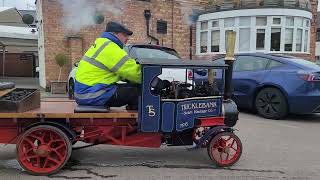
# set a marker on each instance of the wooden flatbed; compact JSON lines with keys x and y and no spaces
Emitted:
{"x":55,"y":108}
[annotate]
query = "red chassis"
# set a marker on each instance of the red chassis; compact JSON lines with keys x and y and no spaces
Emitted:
{"x":44,"y":137}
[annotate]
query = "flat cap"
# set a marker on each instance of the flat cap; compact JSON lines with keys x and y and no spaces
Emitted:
{"x":117,"y":27}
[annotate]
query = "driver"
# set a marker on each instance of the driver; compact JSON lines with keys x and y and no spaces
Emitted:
{"x":105,"y":64}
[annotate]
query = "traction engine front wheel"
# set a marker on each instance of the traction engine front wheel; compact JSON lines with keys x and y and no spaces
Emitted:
{"x":43,"y":150}
{"x":225,"y":149}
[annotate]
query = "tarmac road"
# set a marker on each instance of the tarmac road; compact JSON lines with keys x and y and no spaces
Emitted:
{"x":272,"y":149}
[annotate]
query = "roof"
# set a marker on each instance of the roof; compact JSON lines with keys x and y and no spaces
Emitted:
{"x":5,"y":8}
{"x":178,"y":63}
{"x":17,"y":32}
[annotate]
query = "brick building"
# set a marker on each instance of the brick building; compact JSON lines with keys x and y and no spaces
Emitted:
{"x":61,"y":31}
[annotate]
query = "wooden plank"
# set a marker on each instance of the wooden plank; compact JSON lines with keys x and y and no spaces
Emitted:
{"x":4,"y":92}
{"x":65,"y":109}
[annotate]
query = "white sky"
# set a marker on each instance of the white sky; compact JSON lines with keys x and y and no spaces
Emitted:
{"x":19,"y":4}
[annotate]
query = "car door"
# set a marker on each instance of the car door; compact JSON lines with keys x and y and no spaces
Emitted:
{"x":248,"y":73}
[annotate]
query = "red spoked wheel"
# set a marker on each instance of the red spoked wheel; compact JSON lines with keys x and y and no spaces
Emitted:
{"x":43,"y":150}
{"x":225,"y":149}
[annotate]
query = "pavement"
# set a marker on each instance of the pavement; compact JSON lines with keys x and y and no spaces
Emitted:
{"x":32,"y":83}
{"x":272,"y":149}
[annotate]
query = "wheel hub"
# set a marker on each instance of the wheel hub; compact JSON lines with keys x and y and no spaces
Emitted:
{"x":43,"y":151}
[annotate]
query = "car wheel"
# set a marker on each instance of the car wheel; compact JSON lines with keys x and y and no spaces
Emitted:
{"x":271,"y":103}
{"x":71,"y":89}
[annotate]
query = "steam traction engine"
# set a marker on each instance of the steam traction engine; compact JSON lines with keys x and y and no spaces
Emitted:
{"x":169,"y":113}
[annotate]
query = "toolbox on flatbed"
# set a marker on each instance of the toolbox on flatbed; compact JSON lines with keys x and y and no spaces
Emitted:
{"x":19,"y":100}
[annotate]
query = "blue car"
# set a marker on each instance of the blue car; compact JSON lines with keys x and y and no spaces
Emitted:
{"x":272,"y":85}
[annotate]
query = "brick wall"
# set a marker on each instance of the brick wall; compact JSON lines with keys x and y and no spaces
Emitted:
{"x":57,"y":40}
{"x":313,"y":34}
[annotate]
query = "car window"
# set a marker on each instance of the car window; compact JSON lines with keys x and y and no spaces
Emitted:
{"x":149,"y":53}
{"x":250,"y":63}
{"x":219,"y":61}
{"x":303,"y":62}
{"x":274,"y":64}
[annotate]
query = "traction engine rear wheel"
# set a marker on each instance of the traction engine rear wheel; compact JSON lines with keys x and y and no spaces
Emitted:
{"x":225,"y":149}
{"x":43,"y":150}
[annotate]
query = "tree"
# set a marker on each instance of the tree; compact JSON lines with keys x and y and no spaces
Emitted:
{"x":61,"y":60}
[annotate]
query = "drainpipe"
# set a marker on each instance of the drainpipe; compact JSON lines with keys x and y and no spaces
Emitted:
{"x":190,"y":48}
{"x":3,"y":59}
{"x":229,"y":60}
{"x":147,"y":15}
{"x":192,"y":20}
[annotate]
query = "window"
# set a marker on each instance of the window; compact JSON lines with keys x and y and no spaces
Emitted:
{"x":289,"y":21}
{"x":299,"y":40}
{"x":244,"y":39}
{"x":251,"y":63}
{"x":274,"y":64}
{"x":215,"y":41}
{"x":289,"y":39}
{"x":203,"y":42}
{"x":261,"y":21}
{"x":229,"y":22}
{"x":244,"y":21}
{"x":275,"y":39}
{"x":277,"y":21}
{"x":318,"y":35}
{"x":278,"y":34}
{"x":150,"y":53}
{"x":306,"y":35}
{"x":307,"y":23}
{"x":204,"y":25}
{"x":299,"y":22}
{"x":215,"y":23}
{"x":260,"y":39}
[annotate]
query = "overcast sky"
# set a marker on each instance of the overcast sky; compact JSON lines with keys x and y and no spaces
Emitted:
{"x":22,"y":4}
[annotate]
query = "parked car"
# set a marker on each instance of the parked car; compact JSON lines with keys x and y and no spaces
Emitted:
{"x":143,"y":51}
{"x":273,"y":85}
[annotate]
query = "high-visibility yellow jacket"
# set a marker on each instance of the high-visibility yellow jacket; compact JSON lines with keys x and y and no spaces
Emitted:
{"x":103,"y":65}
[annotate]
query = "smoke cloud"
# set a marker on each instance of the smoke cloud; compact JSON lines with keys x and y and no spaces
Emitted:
{"x":187,"y":10}
{"x":78,"y":14}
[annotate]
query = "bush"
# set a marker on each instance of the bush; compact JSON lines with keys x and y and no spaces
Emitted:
{"x":61,"y":60}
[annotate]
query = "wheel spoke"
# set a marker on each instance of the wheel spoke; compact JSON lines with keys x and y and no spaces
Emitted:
{"x":29,"y":157}
{"x":233,"y":142}
{"x":55,"y":141}
{"x":53,"y":160}
{"x":36,"y":137}
{"x":38,"y":161}
{"x":60,"y":146}
{"x":58,"y":154}
{"x":29,"y":142}
{"x":234,"y":149}
{"x":45,"y":163}
{"x":274,"y":108}
{"x":227,"y":158}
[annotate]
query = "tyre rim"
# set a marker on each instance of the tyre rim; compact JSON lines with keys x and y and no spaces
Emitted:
{"x":42,"y":151}
{"x":226,"y":149}
{"x":269,"y":103}
{"x":71,"y":90}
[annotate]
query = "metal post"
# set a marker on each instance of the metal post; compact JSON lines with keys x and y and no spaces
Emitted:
{"x":229,"y":60}
{"x":3,"y":59}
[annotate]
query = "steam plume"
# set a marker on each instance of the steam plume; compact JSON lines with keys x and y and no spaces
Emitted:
{"x":78,"y":14}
